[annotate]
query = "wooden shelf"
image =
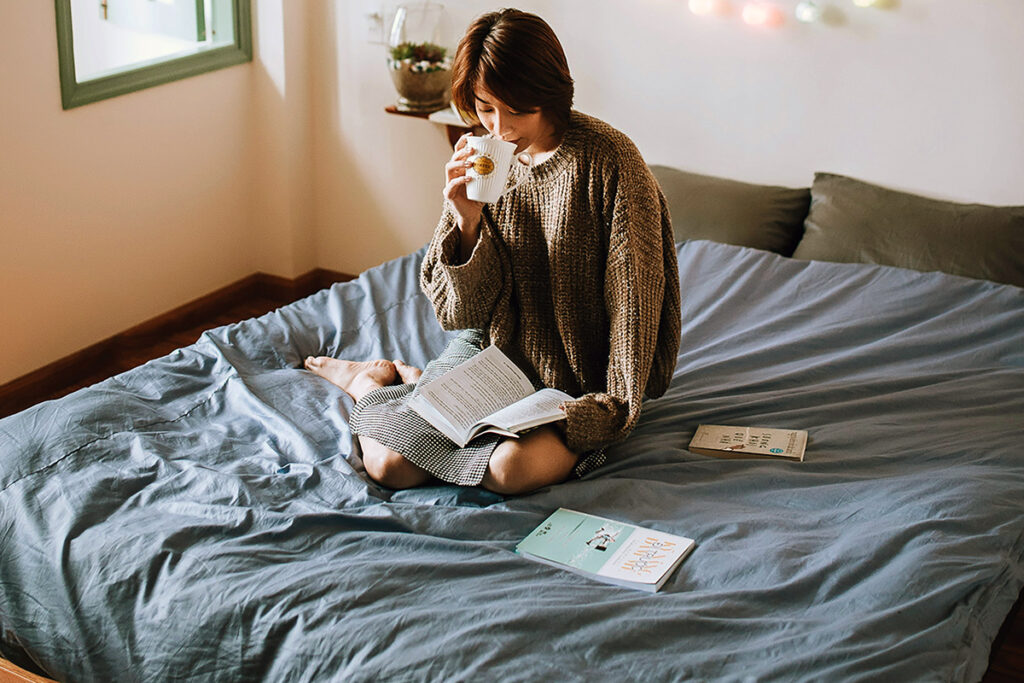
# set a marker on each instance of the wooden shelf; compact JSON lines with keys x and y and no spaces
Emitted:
{"x":454,"y":130}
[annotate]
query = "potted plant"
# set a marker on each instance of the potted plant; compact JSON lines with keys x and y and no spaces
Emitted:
{"x":418,"y":59}
{"x":422,"y":76}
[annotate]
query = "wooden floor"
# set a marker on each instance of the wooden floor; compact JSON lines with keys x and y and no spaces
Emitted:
{"x":1007,"y":661}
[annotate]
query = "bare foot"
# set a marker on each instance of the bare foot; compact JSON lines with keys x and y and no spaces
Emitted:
{"x":408,"y":373}
{"x":357,"y":378}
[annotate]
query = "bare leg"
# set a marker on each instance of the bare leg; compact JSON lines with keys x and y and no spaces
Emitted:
{"x":536,"y":459}
{"x":390,"y":468}
{"x":383,"y":465}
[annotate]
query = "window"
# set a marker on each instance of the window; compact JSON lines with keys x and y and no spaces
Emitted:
{"x":112,"y":47}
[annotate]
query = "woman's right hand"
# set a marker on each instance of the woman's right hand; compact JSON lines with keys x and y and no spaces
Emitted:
{"x":467,"y":211}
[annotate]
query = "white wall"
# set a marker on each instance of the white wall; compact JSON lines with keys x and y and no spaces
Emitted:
{"x":378,"y":176}
{"x":925,"y":96}
{"x":117,"y":211}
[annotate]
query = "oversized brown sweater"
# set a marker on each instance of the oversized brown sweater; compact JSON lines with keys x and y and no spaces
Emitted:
{"x":574,"y":277}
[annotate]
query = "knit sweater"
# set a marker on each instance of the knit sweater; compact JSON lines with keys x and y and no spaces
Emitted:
{"x":574,"y":277}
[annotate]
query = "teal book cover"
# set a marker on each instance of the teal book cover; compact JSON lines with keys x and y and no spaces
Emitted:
{"x":606,"y":550}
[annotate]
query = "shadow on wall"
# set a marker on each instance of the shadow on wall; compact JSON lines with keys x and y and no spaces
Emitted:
{"x":298,"y":151}
{"x":352,"y":216}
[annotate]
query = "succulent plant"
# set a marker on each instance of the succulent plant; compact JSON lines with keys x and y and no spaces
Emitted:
{"x":418,"y":52}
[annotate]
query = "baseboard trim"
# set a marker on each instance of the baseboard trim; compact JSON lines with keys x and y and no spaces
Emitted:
{"x":34,"y":387}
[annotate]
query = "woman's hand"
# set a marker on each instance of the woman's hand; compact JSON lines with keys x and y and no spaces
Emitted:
{"x":466,"y":210}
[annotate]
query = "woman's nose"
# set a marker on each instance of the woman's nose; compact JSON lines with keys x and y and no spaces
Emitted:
{"x":502,"y":128}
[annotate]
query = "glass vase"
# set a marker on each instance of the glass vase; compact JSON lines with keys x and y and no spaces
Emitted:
{"x":420,"y":57}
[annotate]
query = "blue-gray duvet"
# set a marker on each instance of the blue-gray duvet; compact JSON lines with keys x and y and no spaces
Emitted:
{"x":205,"y":516}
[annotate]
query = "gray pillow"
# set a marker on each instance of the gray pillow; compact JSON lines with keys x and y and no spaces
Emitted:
{"x":760,"y":216}
{"x":853,"y":221}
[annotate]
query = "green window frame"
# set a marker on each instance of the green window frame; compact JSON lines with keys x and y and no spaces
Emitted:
{"x":148,"y":74}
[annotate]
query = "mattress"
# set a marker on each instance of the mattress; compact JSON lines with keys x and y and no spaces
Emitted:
{"x":206,"y":516}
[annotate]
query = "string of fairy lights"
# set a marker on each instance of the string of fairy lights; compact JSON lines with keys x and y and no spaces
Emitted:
{"x":771,"y":13}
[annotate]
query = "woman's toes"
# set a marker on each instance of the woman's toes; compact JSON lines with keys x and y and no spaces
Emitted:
{"x":408,"y":373}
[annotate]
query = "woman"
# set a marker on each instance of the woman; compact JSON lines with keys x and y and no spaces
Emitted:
{"x":572,"y":274}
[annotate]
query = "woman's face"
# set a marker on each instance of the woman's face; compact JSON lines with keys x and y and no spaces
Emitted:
{"x":530,"y":130}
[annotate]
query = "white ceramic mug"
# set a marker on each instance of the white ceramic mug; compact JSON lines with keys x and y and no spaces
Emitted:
{"x":492,"y":158}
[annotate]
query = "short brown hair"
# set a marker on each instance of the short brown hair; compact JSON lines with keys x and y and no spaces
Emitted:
{"x":516,"y":56}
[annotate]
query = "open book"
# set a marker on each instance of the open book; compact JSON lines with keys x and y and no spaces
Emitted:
{"x":487,"y":393}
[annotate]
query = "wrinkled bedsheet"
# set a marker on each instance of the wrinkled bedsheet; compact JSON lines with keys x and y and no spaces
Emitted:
{"x":205,"y":516}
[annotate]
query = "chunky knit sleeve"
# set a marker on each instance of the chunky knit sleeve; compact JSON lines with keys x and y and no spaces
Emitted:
{"x":641,"y":296}
{"x":463,"y":294}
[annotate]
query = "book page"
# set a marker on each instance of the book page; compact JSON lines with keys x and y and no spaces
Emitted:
{"x":536,"y":409}
{"x":487,"y":382}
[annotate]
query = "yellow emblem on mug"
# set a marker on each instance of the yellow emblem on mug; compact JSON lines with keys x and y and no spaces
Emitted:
{"x":483,"y":165}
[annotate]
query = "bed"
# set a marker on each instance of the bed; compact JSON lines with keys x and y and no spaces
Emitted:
{"x":206,"y":516}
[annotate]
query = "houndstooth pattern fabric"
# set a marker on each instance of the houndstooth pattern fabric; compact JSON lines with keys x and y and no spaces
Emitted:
{"x":385,"y":416}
